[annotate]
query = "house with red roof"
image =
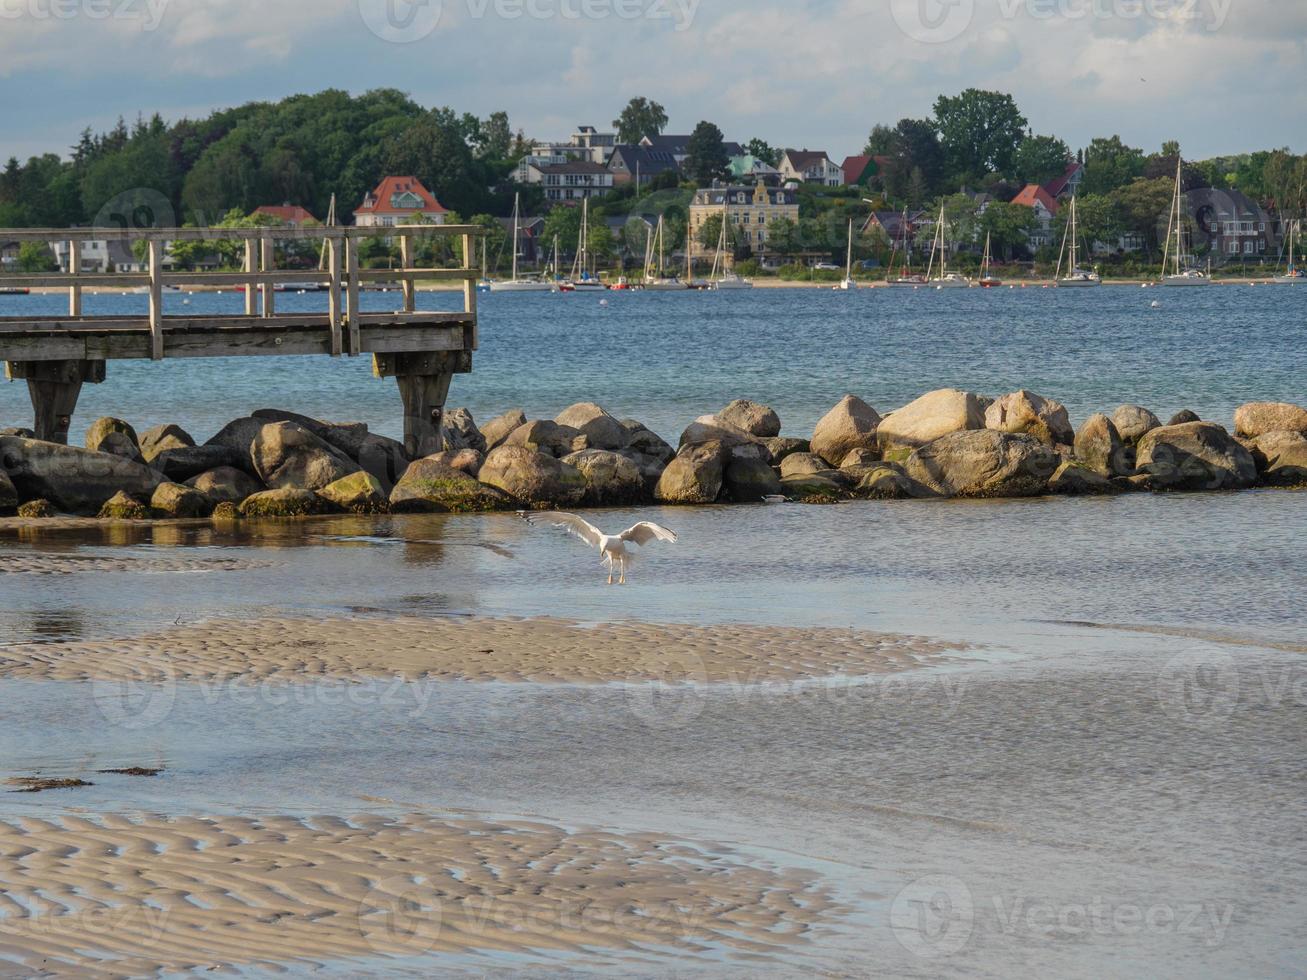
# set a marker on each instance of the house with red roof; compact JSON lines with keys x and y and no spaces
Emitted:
{"x":1045,"y":207}
{"x":291,"y":215}
{"x":399,"y":201}
{"x":1066,"y":186}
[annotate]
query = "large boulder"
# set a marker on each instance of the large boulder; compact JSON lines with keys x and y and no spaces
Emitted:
{"x":468,"y":461}
{"x":431,"y":486}
{"x":161,"y":438}
{"x":934,"y":414}
{"x":346,"y":437}
{"x":547,"y":436}
{"x":460,"y":431}
{"x":1075,"y":479}
{"x":110,"y":435}
{"x":225,"y":485}
{"x":983,"y":463}
{"x":286,"y":456}
{"x":384,"y":458}
{"x":708,"y":428}
{"x":1258,"y":418}
{"x":801,"y":464}
{"x":239,"y":434}
{"x":358,"y":493}
{"x":75,"y":480}
{"x":1281,"y":458}
{"x":610,"y":478}
{"x":601,"y":430}
{"x":1133,"y":422}
{"x":778,"y":447}
{"x":650,"y":467}
{"x":1195,"y":456}
{"x":1183,"y":416}
{"x":175,"y":500}
{"x":498,"y":429}
{"x":8,"y":495}
{"x":186,"y":462}
{"x":850,"y":425}
{"x":827,"y":485}
{"x":123,"y":507}
{"x":286,"y":502}
{"x":1098,"y":446}
{"x":755,"y":419}
{"x":533,"y":477}
{"x":886,"y":481}
{"x":748,"y":479}
{"x":1024,"y":411}
{"x":695,"y":476}
{"x":643,"y":440}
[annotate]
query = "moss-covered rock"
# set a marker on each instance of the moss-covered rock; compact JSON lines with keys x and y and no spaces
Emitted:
{"x":285,"y":503}
{"x":124,"y":507}
{"x":431,"y":486}
{"x":37,"y":508}
{"x":803,"y":486}
{"x":226,"y":511}
{"x":177,"y":501}
{"x":358,"y":493}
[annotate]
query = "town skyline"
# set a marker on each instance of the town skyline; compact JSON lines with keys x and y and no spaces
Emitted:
{"x":1081,"y":71}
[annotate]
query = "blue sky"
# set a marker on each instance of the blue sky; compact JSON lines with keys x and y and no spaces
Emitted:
{"x":1219,"y":75}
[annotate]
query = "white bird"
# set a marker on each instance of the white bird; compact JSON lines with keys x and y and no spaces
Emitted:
{"x":612,"y":547}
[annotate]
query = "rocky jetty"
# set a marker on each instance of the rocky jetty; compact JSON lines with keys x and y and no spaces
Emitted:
{"x":944,"y":444}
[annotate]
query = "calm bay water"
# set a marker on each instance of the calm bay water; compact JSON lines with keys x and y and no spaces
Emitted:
{"x":666,"y":358}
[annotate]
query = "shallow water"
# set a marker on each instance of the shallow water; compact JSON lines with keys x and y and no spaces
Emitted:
{"x":666,"y":358}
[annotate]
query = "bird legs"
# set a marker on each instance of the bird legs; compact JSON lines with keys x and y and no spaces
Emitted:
{"x":611,"y":561}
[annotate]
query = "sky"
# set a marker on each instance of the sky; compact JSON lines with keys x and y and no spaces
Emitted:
{"x":1220,"y":76}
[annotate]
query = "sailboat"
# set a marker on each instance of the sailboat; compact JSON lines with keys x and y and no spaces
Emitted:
{"x":1075,"y":276}
{"x":582,"y":280}
{"x":516,"y":285}
{"x":987,"y":279}
{"x":1292,"y":274}
{"x":946,"y":279}
{"x":1183,"y":275}
{"x":909,"y":279}
{"x":848,"y":282}
{"x":657,"y":279}
{"x":719,"y":277}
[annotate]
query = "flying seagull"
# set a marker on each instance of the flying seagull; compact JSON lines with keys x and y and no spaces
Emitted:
{"x":612,"y":547}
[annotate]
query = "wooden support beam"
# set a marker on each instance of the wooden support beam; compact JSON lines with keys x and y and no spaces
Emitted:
{"x":156,"y":300}
{"x":268,"y":262}
{"x":406,"y":261}
{"x":423,"y":380}
{"x":352,"y":295}
{"x":54,"y":387}
{"x":251,"y":266}
{"x":470,"y":292}
{"x":333,"y":300}
{"x":74,"y":268}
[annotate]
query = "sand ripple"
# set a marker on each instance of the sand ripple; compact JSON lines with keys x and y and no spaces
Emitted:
{"x":475,"y":649}
{"x":112,"y":895}
{"x":44,"y":564}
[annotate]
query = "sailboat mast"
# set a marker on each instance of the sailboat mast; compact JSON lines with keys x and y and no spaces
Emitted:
{"x":848,"y":262}
{"x":517,"y":203}
{"x":1179,"y":233}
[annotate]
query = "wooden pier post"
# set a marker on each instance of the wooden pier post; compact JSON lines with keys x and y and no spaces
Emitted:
{"x":423,"y":380}
{"x":54,"y":387}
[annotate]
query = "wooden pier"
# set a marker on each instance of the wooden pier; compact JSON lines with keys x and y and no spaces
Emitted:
{"x":422,"y":351}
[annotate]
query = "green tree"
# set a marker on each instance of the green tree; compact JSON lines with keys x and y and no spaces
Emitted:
{"x":1038,"y":159}
{"x":763,"y":151}
{"x":710,"y":233}
{"x":1098,"y":218}
{"x":642,"y":117}
{"x":1008,"y":226}
{"x":881,"y":142}
{"x":496,"y":137}
{"x":35,"y":257}
{"x":980,"y":132}
{"x":1143,"y":206}
{"x":915,"y":169}
{"x":705,"y":155}
{"x":1109,"y":165}
{"x":783,"y":237}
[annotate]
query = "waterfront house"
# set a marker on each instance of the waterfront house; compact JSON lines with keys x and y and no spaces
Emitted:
{"x":749,"y":210}
{"x":678,"y":146}
{"x":811,"y":167}
{"x":9,"y":254}
{"x":912,"y":231}
{"x":1231,"y":224}
{"x":587,"y":145}
{"x":1045,"y":207}
{"x":750,"y":168}
{"x":629,"y":163}
{"x":1066,"y":186}
{"x":291,"y":215}
{"x":399,"y":201}
{"x":574,"y":180}
{"x":93,"y":256}
{"x":530,"y":249}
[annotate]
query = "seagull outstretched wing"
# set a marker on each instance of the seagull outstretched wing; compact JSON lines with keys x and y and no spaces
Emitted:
{"x":570,"y":523}
{"x":647,"y":531}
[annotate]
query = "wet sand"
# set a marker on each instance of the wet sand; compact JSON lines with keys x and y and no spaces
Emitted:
{"x":539,"y":650}
{"x":110,"y":895}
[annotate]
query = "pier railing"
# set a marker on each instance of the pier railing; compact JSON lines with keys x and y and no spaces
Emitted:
{"x":56,"y":354}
